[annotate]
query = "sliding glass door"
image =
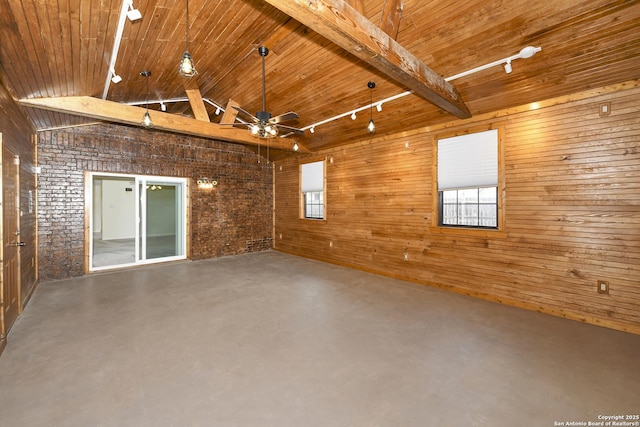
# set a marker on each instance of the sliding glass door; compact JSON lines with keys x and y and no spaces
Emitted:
{"x":136,"y":220}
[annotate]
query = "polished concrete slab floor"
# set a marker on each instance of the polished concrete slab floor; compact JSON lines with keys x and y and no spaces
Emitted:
{"x":269,"y":339}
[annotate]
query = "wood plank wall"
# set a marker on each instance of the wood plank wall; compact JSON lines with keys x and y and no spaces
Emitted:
{"x":572,"y":210}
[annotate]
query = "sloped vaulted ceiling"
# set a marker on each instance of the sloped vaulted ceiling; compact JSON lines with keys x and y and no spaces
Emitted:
{"x":63,"y":48}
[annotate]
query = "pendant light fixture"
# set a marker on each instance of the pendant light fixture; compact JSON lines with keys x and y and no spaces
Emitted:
{"x":371,"y":127}
{"x":187,"y":67}
{"x":146,"y":119}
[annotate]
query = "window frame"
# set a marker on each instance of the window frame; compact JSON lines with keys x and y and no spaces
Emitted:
{"x":302,"y":197}
{"x":436,"y":226}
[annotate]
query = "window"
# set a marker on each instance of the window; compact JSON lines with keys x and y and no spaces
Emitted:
{"x":312,"y":186}
{"x":468,"y":180}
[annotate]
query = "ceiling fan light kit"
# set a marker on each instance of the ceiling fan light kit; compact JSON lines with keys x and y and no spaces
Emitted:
{"x":264,"y":125}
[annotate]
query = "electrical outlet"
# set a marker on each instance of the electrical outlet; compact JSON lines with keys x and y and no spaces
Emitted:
{"x":603,"y":287}
{"x":605,"y":109}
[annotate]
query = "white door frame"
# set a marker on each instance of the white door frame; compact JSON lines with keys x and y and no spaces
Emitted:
{"x":140,"y":182}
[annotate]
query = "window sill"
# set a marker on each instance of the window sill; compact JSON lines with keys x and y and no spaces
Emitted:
{"x":470,"y":232}
{"x":322,"y":220}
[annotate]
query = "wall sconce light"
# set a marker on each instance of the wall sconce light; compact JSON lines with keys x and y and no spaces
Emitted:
{"x":146,"y":119}
{"x":133,"y":14}
{"x":206,"y":183}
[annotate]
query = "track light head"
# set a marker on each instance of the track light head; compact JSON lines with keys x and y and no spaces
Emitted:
{"x":133,"y":14}
{"x":507,"y":67}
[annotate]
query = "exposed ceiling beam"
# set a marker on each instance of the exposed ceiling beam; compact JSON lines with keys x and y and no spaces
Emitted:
{"x":87,"y":106}
{"x":197,"y":105}
{"x":391,"y":15}
{"x":230,"y":113}
{"x":343,"y":25}
{"x":357,"y":5}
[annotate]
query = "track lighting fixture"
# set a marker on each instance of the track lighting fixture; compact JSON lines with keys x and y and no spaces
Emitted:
{"x":526,"y":52}
{"x":133,"y":14}
{"x":187,"y":67}
{"x":146,"y":118}
{"x":507,"y":67}
{"x":163,"y":106}
{"x":217,"y":111}
{"x":115,"y":78}
{"x":371,"y":127}
{"x":295,"y":147}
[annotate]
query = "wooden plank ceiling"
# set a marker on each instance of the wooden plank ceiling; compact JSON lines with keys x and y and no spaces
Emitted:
{"x":61,"y":48}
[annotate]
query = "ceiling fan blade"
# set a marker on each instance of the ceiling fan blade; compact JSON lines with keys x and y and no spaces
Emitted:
{"x":289,"y":128}
{"x":285,"y":117}
{"x":246,"y":113}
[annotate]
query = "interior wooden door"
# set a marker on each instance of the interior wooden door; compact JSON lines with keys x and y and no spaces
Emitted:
{"x":11,"y":239}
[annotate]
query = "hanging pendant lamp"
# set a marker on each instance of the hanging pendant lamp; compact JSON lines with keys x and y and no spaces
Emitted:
{"x":146,"y":118}
{"x":187,"y":67}
{"x":371,"y":127}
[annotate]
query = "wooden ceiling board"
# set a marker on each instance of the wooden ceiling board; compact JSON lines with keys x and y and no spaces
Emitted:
{"x":55,"y":48}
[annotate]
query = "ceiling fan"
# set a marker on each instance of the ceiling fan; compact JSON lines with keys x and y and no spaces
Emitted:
{"x":263,"y":125}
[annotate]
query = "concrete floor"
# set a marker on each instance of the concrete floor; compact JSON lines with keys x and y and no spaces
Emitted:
{"x":268,"y":339}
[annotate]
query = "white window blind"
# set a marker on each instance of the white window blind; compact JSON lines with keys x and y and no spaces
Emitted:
{"x":313,"y":176}
{"x":468,"y":161}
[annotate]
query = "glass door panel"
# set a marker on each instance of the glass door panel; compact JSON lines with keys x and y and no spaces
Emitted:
{"x":163,"y":236}
{"x":113,"y":219}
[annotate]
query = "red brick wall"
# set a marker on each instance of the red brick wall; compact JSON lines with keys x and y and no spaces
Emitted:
{"x":235,"y":217}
